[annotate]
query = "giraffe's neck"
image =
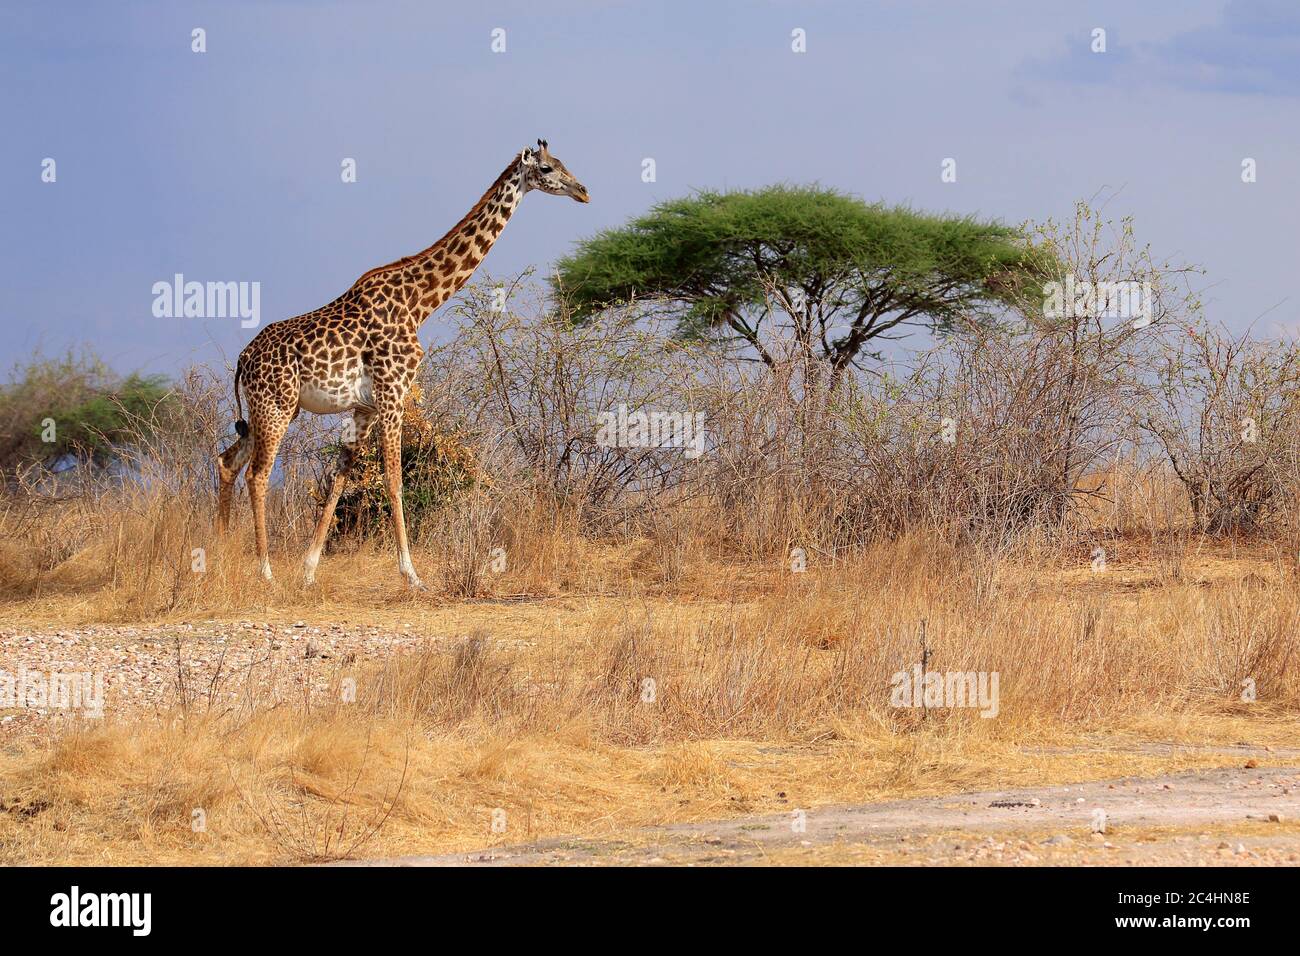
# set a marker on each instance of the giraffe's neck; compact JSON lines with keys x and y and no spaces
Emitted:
{"x":420,"y":283}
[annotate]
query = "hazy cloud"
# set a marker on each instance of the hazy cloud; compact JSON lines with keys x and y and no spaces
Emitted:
{"x":1252,"y":49}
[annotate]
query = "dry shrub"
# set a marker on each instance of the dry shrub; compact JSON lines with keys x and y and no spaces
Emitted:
{"x":437,"y":467}
{"x":1225,"y":411}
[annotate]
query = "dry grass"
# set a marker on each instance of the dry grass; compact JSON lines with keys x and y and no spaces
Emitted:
{"x":770,"y":690}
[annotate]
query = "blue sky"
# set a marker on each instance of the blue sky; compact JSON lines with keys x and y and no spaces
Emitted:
{"x":225,"y":165}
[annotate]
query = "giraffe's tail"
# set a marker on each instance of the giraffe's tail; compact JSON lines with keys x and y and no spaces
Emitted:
{"x":241,"y":426}
{"x":231,"y":461}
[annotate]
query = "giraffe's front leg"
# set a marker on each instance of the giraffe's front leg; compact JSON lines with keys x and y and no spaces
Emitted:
{"x":352,"y":446}
{"x":390,"y":437}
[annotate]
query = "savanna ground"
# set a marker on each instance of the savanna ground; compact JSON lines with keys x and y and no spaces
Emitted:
{"x":523,"y":715}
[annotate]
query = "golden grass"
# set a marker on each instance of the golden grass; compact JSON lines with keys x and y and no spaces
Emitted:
{"x":770,"y":690}
{"x":289,"y":794}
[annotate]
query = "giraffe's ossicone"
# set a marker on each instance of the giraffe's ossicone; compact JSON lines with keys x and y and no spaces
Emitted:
{"x":360,"y":354}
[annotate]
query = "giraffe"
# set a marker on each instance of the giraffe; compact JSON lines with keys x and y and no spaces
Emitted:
{"x":360,"y":354}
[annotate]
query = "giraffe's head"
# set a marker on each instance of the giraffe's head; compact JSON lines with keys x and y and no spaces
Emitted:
{"x":543,"y":171}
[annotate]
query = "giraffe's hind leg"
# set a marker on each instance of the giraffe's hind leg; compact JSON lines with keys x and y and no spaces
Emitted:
{"x":390,"y":440}
{"x":229,"y":464}
{"x":267,"y":433}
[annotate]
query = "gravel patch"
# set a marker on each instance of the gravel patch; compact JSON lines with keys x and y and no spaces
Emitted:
{"x":52,"y":678}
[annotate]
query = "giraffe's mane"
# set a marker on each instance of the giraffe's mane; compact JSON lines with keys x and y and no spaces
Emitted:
{"x":478,"y":207}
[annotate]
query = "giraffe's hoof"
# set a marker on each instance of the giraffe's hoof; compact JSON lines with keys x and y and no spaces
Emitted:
{"x":415,"y":584}
{"x":266,"y":572}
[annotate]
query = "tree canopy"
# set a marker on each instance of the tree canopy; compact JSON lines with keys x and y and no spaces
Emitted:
{"x":832,"y":270}
{"x":74,"y":406}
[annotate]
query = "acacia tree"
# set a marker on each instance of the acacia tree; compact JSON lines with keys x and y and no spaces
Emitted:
{"x":831,"y":271}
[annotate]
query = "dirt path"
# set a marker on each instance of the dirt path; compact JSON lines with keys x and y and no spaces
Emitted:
{"x":1239,"y":816}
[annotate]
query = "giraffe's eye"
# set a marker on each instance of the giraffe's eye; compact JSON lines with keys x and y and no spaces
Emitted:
{"x":545,"y":169}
